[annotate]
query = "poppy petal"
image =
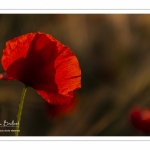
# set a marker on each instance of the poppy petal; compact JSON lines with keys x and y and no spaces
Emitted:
{"x":55,"y":98}
{"x":14,"y":55}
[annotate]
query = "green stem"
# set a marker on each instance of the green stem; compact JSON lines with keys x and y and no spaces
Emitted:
{"x":20,"y":109}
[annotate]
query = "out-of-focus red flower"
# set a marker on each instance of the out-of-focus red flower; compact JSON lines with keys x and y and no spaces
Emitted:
{"x":56,"y":111}
{"x":141,"y":119}
{"x":43,"y":63}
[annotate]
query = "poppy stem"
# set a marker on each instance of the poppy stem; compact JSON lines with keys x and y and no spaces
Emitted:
{"x":20,"y":109}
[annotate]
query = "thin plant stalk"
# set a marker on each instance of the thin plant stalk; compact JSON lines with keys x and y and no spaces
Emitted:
{"x":20,"y":110}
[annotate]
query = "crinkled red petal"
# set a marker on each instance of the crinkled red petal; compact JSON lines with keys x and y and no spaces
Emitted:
{"x":40,"y":61}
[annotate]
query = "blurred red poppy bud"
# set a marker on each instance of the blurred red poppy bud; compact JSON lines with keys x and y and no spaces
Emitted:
{"x":141,"y":119}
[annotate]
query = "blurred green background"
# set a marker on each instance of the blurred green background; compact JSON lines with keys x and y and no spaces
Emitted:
{"x":114,"y":55}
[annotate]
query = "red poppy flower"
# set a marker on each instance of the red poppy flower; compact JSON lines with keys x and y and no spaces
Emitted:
{"x":54,"y":111}
{"x":141,"y":119}
{"x":43,"y":63}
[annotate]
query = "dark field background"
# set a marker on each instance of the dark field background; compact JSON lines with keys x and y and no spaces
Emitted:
{"x":114,"y":55}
